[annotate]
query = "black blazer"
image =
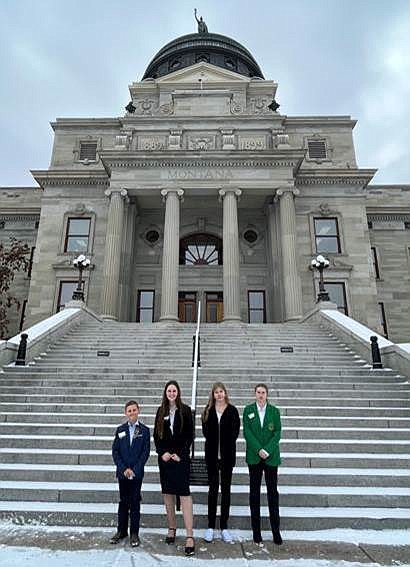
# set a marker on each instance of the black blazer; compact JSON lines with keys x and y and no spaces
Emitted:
{"x":229,"y":431}
{"x":180,"y":441}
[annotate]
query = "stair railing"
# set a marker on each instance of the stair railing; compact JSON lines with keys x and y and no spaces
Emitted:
{"x":199,"y":475}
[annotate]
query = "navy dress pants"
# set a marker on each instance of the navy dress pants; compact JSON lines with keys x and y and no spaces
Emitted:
{"x":271,"y":479}
{"x":129,"y":505}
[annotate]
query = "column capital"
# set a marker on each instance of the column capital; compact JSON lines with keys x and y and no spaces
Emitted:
{"x":166,"y":192}
{"x":112,"y":190}
{"x":223,"y":192}
{"x":282,"y":190}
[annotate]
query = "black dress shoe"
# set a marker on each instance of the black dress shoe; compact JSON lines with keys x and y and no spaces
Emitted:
{"x":189,"y":549}
{"x":135,"y":541}
{"x":117,"y":537}
{"x":277,"y":538}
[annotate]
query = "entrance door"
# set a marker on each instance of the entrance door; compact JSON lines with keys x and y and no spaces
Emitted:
{"x":214,"y":307}
{"x":187,"y":307}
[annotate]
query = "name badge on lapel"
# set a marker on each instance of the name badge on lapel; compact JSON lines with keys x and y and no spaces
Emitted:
{"x":251,"y":415}
{"x":121,"y":434}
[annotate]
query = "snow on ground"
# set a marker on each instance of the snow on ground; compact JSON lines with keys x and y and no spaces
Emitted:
{"x":24,"y":557}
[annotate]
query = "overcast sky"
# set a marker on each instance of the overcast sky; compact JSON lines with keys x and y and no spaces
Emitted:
{"x":76,"y":58}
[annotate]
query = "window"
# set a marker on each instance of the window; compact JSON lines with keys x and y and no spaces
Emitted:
{"x":145,"y":306}
{"x":65,"y":293}
{"x":77,"y":235}
{"x":375,"y":263}
{"x":88,"y":151}
{"x":337,"y":294}
{"x":200,"y":250}
{"x":327,"y":235}
{"x":317,"y":149}
{"x":250,"y":235}
{"x":256,"y":307}
{"x":382,"y":316}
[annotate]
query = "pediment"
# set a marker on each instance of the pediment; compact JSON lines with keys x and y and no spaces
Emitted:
{"x":202,"y":72}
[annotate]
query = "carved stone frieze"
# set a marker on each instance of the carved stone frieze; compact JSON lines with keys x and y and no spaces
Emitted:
{"x":166,"y":109}
{"x":201,"y":143}
{"x":145,"y":107}
{"x":258,"y":105}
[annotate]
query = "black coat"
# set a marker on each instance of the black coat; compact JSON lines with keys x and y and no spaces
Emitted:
{"x":229,"y":431}
{"x":180,"y":441}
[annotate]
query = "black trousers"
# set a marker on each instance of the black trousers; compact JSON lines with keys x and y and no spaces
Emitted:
{"x":271,"y":479}
{"x":225,"y":472}
{"x":129,"y":505}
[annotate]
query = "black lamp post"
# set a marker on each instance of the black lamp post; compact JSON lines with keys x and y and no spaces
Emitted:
{"x":81,"y":262}
{"x":320,"y":263}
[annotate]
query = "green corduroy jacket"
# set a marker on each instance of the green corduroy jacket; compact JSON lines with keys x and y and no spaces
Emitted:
{"x":266,"y":437}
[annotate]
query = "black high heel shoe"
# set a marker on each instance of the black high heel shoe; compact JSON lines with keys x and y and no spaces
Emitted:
{"x":190,"y":549}
{"x":170,"y":539}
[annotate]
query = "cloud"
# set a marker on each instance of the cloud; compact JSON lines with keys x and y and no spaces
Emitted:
{"x":384,"y":99}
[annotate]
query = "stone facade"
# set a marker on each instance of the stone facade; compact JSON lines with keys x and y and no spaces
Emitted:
{"x":201,"y":153}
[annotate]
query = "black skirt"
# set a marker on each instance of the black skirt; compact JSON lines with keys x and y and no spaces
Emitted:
{"x":174,"y":477}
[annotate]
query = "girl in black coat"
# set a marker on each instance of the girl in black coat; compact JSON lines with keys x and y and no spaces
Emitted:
{"x":220,"y":425}
{"x":173,"y":435}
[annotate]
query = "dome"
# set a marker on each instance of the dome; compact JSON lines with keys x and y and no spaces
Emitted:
{"x":213,"y":48}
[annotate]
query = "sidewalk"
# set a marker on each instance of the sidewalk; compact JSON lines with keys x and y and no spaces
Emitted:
{"x":53,"y":546}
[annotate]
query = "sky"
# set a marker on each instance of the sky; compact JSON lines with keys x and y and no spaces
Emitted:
{"x":76,"y":58}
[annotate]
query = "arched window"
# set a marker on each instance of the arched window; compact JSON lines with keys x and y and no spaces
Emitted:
{"x":200,"y":249}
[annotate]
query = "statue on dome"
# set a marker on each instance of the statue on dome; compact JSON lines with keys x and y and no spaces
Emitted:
{"x":202,"y":27}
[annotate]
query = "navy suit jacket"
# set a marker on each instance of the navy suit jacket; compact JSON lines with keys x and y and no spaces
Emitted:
{"x":131,"y":456}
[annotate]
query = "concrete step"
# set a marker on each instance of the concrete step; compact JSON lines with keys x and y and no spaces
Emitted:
{"x":148,"y":418}
{"x":295,"y":496}
{"x":305,"y":459}
{"x":292,"y":518}
{"x":288,"y":475}
{"x":117,"y":409}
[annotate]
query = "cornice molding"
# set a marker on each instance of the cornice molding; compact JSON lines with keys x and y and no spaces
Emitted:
{"x":52,"y":178}
{"x":320,"y":120}
{"x":19,"y":217}
{"x":283,"y":158}
{"x":388,"y":217}
{"x":335,"y":177}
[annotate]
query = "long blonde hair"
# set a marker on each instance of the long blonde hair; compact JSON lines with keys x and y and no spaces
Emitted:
{"x":211,"y":400}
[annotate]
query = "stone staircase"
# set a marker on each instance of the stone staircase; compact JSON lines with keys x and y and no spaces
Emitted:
{"x":345,"y":442}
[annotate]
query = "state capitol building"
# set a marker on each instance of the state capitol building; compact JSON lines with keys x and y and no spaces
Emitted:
{"x":204,"y":191}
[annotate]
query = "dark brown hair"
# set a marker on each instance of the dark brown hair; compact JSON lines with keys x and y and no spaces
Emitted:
{"x":163,"y":409}
{"x":261,"y":385}
{"x":131,"y":403}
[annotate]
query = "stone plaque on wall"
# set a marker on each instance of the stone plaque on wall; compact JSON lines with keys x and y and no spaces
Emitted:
{"x":151,"y":143}
{"x":252,"y":143}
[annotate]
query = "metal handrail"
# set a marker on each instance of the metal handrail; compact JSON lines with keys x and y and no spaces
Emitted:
{"x":196,"y":361}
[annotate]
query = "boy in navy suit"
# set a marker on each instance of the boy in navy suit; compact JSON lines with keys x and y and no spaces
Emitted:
{"x":130,"y":451}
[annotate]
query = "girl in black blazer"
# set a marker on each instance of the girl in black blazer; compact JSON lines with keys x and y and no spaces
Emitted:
{"x":220,"y":425}
{"x":173,"y":435}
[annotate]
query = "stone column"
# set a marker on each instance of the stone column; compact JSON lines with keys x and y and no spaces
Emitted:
{"x":170,"y":255}
{"x":112,"y":260}
{"x":232,"y":307}
{"x":291,"y":280}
